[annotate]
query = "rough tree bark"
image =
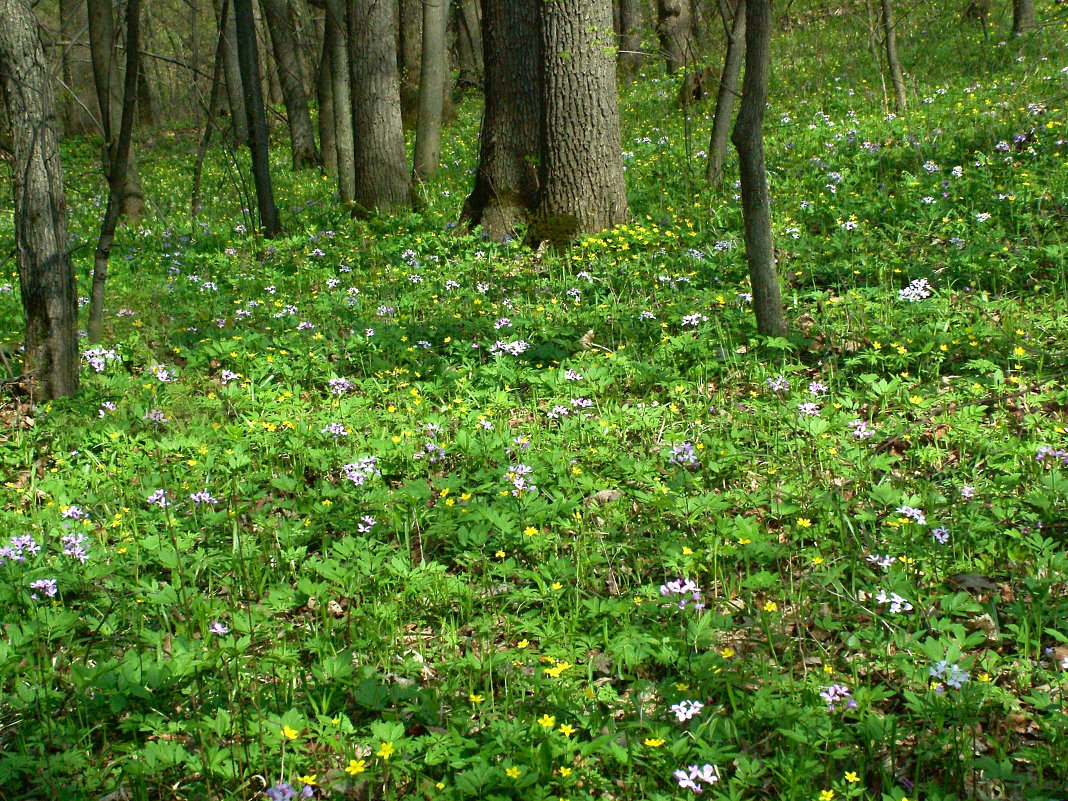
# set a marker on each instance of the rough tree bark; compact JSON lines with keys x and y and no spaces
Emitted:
{"x":892,"y":60}
{"x":748,"y":138}
{"x":630,"y":37}
{"x":324,"y":88}
{"x":409,"y":56}
{"x":117,"y":169}
{"x":726,"y":96}
{"x":675,"y":29}
{"x":286,"y":55}
{"x":469,"y":42}
{"x":506,"y":182}
{"x":257,"y":119}
{"x":381,"y":164}
{"x":46,"y":280}
{"x":108,"y":80}
{"x":433,"y":83}
{"x":214,"y":107}
{"x":581,"y":173}
{"x":336,"y":40}
{"x":1023,"y":16}
{"x":235,"y":91}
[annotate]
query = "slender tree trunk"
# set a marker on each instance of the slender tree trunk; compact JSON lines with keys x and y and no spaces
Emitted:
{"x":1023,"y":16}
{"x":214,"y":103}
{"x":235,"y":91}
{"x":286,"y":56}
{"x":630,"y":37}
{"x":433,"y":83}
{"x":103,"y":44}
{"x":409,"y":53}
{"x":892,"y":60}
{"x":336,"y":40}
{"x":469,"y":42}
{"x":726,"y":96}
{"x":582,"y":185}
{"x":120,"y":161}
{"x":147,"y":97}
{"x":325,"y":91}
{"x":381,"y":163}
{"x":748,"y":138}
{"x":675,"y":29}
{"x":46,"y":280}
{"x":506,"y":182}
{"x":257,"y":120}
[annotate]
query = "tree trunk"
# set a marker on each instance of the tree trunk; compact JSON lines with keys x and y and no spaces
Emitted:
{"x":748,"y":138}
{"x":117,"y":169}
{"x":469,"y":42}
{"x":325,"y":90}
{"x":381,"y":163}
{"x":892,"y":61}
{"x":214,"y":103}
{"x":335,"y":38}
{"x":582,"y":186}
{"x":248,"y":59}
{"x":675,"y":29}
{"x":410,"y":53}
{"x":1023,"y":16}
{"x":630,"y":37}
{"x":103,"y":45}
{"x":147,"y":98}
{"x":46,"y":280}
{"x":284,"y":41}
{"x":506,"y":182}
{"x":433,"y":83}
{"x":235,"y":91}
{"x":726,"y":96}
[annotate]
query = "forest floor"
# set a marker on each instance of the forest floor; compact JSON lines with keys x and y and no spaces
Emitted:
{"x":381,"y":509}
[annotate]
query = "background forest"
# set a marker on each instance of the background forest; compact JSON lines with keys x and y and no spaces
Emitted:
{"x":426,"y":438}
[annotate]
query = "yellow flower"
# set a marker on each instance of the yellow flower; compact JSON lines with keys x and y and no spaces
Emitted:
{"x":548,"y":721}
{"x":523,"y":644}
{"x":727,"y":652}
{"x":567,"y":730}
{"x":557,"y":585}
{"x":530,"y":531}
{"x":771,"y":606}
{"x":386,"y":751}
{"x":474,"y":698}
{"x":290,"y":733}
{"x":852,"y":777}
{"x":308,"y":779}
{"x":804,"y":522}
{"x":440,"y":785}
{"x":654,"y":742}
{"x":356,"y":767}
{"x":513,"y":772}
{"x":826,"y":795}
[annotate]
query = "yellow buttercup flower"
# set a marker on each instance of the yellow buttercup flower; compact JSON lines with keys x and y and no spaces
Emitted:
{"x":548,"y":721}
{"x":654,"y":742}
{"x":386,"y":750}
{"x":290,"y":733}
{"x":513,"y":772}
{"x":567,"y":730}
{"x":356,"y":767}
{"x":852,"y":777}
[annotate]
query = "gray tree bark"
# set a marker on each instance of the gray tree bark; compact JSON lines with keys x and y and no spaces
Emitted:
{"x":726,"y":96}
{"x":892,"y":60}
{"x":336,"y":40}
{"x":581,"y":175}
{"x":675,"y":29}
{"x":286,"y":56}
{"x":235,"y":91}
{"x":510,"y":145}
{"x":379,"y":156}
{"x":46,"y":280}
{"x":324,"y":87}
{"x":469,"y":42}
{"x":748,"y":138}
{"x":631,"y":23}
{"x":409,"y":56}
{"x":259,"y":145}
{"x":433,"y":83}
{"x":1023,"y":16}
{"x":107,"y":77}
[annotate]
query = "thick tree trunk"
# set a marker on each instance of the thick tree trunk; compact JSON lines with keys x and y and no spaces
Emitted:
{"x":46,"y":280}
{"x":582,"y":185}
{"x":748,"y":138}
{"x":409,"y":57}
{"x":235,"y":91}
{"x":726,"y":96}
{"x":286,"y":55}
{"x":325,"y":90}
{"x":506,"y":182}
{"x":892,"y":60}
{"x":248,"y":59}
{"x":117,"y":170}
{"x":335,"y":39}
{"x":675,"y":29}
{"x":630,"y":37}
{"x":1023,"y":16}
{"x":381,"y":164}
{"x":214,"y":105}
{"x":469,"y":42}
{"x":107,"y":77}
{"x":433,"y":83}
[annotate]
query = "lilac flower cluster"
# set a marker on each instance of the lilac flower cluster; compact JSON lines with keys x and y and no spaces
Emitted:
{"x":689,"y":777}
{"x":48,"y":586}
{"x":366,"y":524}
{"x":808,"y":409}
{"x":683,"y":455}
{"x":941,"y":535}
{"x":684,"y":710}
{"x":335,"y":430}
{"x":99,"y":357}
{"x":74,"y":546}
{"x":896,"y":602}
{"x":18,"y":547}
{"x":694,"y":320}
{"x":913,"y":514}
{"x":158,"y":498}
{"x":836,"y":694}
{"x":517,"y":474}
{"x":75,"y":513}
{"x":339,"y":386}
{"x":513,"y":348}
{"x":162,"y":374}
{"x":217,"y":627}
{"x":105,"y":407}
{"x":156,"y":416}
{"x":951,"y":675}
{"x":432,"y":452}
{"x":861,"y":429}
{"x":228,"y":375}
{"x":779,"y":384}
{"x":1047,"y":455}
{"x":916,"y":291}
{"x":359,"y":471}
{"x":284,"y":791}
{"x":203,"y":497}
{"x":687,"y":590}
{"x":557,"y":412}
